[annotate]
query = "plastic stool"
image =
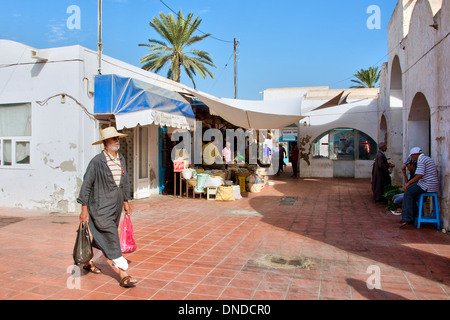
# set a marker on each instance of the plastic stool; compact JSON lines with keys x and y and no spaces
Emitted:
{"x":211,"y":191}
{"x":429,"y":219}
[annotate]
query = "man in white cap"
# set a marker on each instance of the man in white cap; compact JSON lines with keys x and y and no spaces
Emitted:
{"x":104,"y":193}
{"x":425,"y":180}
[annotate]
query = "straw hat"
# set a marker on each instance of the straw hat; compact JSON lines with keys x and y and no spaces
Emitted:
{"x":109,"y":133}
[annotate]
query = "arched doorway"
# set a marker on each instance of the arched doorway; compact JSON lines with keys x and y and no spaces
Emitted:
{"x":396,"y":86}
{"x":394,"y":128}
{"x":419,"y":126}
{"x":383,"y":130}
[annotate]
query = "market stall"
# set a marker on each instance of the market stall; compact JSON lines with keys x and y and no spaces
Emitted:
{"x":226,"y":184}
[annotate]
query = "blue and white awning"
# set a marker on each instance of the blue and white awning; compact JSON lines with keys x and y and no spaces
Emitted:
{"x":134,"y":102}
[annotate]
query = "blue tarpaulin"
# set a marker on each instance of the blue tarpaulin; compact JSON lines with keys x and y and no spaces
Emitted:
{"x":137,"y":102}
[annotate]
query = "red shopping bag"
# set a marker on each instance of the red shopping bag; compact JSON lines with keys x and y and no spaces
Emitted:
{"x":127,"y":244}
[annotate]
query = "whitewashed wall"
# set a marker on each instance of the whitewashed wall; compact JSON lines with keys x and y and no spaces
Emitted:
{"x":59,"y":131}
{"x":62,"y":133}
{"x":418,"y":38}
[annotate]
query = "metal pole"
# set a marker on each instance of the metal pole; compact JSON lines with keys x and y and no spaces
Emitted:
{"x":235,"y":84}
{"x":99,"y":40}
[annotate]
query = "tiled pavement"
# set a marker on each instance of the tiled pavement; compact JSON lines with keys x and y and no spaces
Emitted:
{"x":198,"y":249}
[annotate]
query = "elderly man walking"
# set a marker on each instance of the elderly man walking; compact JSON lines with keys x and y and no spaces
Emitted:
{"x":104,"y":193}
{"x":425,"y":180}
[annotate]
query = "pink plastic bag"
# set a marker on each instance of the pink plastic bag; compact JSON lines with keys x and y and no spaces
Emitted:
{"x":127,"y":244}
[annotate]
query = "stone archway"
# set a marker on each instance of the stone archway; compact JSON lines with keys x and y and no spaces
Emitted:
{"x":383,"y":130}
{"x":396,"y":85}
{"x":394,"y":125}
{"x":419,"y":126}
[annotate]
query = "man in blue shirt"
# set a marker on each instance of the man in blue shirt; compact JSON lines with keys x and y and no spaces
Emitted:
{"x":267,"y":154}
{"x":425,"y":180}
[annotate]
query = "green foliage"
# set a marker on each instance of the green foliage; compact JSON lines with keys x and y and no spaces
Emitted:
{"x":177,"y":35}
{"x":389,"y":191}
{"x":391,"y":206}
{"x":367,"y":78}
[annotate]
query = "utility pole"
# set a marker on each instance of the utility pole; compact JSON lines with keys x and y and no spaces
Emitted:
{"x":235,"y":81}
{"x":99,"y":40}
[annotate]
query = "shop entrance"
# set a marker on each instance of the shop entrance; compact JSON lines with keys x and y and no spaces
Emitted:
{"x":163,"y":151}
{"x":141,"y":163}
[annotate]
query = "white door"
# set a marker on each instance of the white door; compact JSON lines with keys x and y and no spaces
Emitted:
{"x":141,"y":163}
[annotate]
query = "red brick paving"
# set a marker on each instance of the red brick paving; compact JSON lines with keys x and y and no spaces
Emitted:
{"x":198,"y":249}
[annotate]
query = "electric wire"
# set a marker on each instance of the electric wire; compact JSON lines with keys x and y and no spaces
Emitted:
{"x":43,"y":102}
{"x":435,"y":45}
{"x":221,"y":73}
{"x":228,"y":41}
{"x":373,"y":65}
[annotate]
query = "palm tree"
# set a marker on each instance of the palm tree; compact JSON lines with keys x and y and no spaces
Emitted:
{"x":367,"y":78}
{"x":177,"y":37}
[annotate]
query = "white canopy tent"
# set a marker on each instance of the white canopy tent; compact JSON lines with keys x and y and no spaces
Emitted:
{"x":253,"y":114}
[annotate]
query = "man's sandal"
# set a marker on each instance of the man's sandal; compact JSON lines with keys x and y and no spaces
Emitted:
{"x":92,"y":268}
{"x":404,"y":225}
{"x":127,"y":282}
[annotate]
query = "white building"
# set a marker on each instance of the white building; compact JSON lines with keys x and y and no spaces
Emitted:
{"x":411,"y":107}
{"x":48,"y":124}
{"x":48,"y":118}
{"x":414,"y":91}
{"x":53,"y":104}
{"x":337,"y":136}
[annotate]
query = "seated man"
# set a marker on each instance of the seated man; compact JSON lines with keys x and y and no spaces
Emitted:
{"x":409,"y":165}
{"x":425,"y":180}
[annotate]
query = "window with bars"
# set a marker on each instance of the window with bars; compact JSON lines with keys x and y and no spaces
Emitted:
{"x":15,"y":135}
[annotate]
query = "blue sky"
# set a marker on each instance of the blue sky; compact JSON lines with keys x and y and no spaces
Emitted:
{"x":286,"y":43}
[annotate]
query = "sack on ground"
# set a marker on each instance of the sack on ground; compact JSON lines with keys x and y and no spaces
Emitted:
{"x":127,"y":243}
{"x":237,"y":192}
{"x":225,"y":193}
{"x":82,"y":250}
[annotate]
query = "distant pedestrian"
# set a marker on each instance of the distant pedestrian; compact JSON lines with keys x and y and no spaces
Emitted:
{"x":226,"y":153}
{"x":281,"y":155}
{"x":380,"y":173}
{"x":104,"y":193}
{"x":293,"y":158}
{"x":267,"y":154}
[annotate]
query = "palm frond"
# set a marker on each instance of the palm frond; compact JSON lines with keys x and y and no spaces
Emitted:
{"x":177,"y":35}
{"x":367,"y":78}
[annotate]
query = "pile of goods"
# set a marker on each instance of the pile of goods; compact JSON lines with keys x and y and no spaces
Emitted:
{"x":232,"y":181}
